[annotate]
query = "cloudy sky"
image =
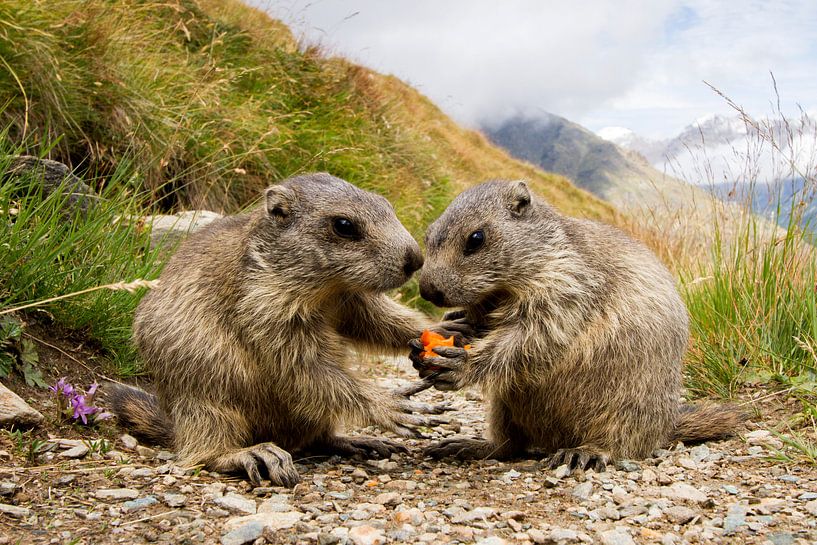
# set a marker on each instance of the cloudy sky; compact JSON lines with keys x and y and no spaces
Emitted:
{"x":633,"y":63}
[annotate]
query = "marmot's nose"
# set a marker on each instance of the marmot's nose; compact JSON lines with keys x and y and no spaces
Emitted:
{"x":414,"y":260}
{"x":429,"y":292}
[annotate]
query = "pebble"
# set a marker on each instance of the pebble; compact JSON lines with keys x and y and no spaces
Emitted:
{"x":735,"y":518}
{"x":616,"y":536}
{"x":117,"y":494}
{"x":128,"y":441}
{"x":269,"y":521}
{"x":811,"y":507}
{"x":683,"y":492}
{"x":583,"y":490}
{"x":492,"y":540}
{"x":245,"y":533}
{"x":78,"y":451}
{"x":366,"y":535}
{"x":174,"y":500}
{"x":561,"y":472}
{"x":143,"y":472}
{"x":479,"y":513}
{"x":808,"y":496}
{"x":679,"y":514}
{"x":731,"y":489}
{"x":7,"y":488}
{"x":236,"y":503}
{"x":388,"y":498}
{"x":139,"y":504}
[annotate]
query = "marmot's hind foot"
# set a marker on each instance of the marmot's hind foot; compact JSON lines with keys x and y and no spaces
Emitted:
{"x":580,"y":458}
{"x":263,"y":458}
{"x":464,"y":448}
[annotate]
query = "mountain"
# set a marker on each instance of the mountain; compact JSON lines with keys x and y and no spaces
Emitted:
{"x":622,"y":177}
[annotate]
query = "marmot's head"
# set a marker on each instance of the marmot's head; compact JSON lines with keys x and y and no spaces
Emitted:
{"x":493,"y":239}
{"x":324,"y":231}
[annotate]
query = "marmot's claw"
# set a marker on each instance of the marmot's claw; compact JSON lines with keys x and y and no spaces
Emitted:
{"x":276,"y":462}
{"x":580,"y":458}
{"x":414,"y":388}
{"x":462,"y":448}
{"x":452,"y":315}
{"x":365,"y":447}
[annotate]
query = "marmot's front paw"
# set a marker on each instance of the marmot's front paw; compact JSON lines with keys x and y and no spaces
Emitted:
{"x":580,"y":458}
{"x":447,"y":370}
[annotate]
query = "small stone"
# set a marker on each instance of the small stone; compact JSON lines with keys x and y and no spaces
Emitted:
{"x":583,"y":490}
{"x":244,"y":533}
{"x":683,"y":492}
{"x":781,"y":538}
{"x":145,"y":452}
{"x":616,"y":536}
{"x":128,"y":441}
{"x":174,"y":500}
{"x":537,"y":536}
{"x":550,"y":482}
{"x":118,"y":494}
{"x":269,"y":521}
{"x":366,"y":535}
{"x":561,"y":472}
{"x":236,"y":503}
{"x":679,"y":514}
{"x":731,"y":489}
{"x":687,"y":463}
{"x":648,"y":476}
{"x":388,"y":498}
{"x":492,"y":540}
{"x":78,"y":451}
{"x":627,"y":465}
{"x":811,"y":507}
{"x":735,"y":518}
{"x":143,"y":472}
{"x":15,"y":511}
{"x":7,"y":488}
{"x":808,"y":496}
{"x":139,"y":504}
{"x":15,"y":411}
{"x":789,"y":478}
{"x":479,"y":513}
{"x":700,"y":453}
{"x":165,"y":455}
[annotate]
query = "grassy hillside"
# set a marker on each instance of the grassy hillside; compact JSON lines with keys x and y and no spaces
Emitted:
{"x":211,"y":100}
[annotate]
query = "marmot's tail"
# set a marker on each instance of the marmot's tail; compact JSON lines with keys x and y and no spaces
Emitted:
{"x":705,"y":421}
{"x":139,"y":412}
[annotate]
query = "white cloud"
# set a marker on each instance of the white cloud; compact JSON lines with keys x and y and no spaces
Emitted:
{"x":635,"y":63}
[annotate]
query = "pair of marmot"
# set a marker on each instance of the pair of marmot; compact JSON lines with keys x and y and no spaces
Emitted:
{"x":578,"y":332}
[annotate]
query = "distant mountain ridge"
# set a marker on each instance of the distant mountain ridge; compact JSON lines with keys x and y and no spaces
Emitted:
{"x":620,"y":176}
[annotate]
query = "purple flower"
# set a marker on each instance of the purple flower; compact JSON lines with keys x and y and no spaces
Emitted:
{"x":81,"y":410}
{"x":62,"y":387}
{"x":92,"y":389}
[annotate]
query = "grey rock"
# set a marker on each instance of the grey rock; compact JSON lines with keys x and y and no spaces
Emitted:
{"x":139,"y":504}
{"x":78,"y":451}
{"x":550,"y":482}
{"x":583,"y":490}
{"x":492,"y":540}
{"x":55,"y":176}
{"x":699,"y":453}
{"x":627,"y":465}
{"x":169,"y":230}
{"x":143,"y":472}
{"x":731,"y":489}
{"x":616,"y":536}
{"x":128,"y":441}
{"x":781,"y":538}
{"x":735,"y":518}
{"x":7,"y":488}
{"x":14,"y":411}
{"x":560,"y":536}
{"x":236,"y":503}
{"x":388,"y":498}
{"x":14,"y":511}
{"x":679,"y":514}
{"x":243,"y":533}
{"x":811,"y":507}
{"x":561,"y":472}
{"x":117,"y":494}
{"x":165,"y":455}
{"x":269,"y":521}
{"x":807,"y":496}
{"x":174,"y":500}
{"x":478,"y":513}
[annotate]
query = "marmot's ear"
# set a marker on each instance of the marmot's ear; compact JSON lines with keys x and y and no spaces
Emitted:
{"x":279,"y":201}
{"x":519,"y":200}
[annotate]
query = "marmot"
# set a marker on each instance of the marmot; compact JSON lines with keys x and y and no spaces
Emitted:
{"x":247,"y":335}
{"x":581,"y":333}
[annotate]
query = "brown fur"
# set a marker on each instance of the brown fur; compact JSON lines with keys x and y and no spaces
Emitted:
{"x":582,"y":332}
{"x":247,"y":335}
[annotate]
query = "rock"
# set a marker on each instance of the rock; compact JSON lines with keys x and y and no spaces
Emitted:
{"x":731,"y":489}
{"x":648,"y":476}
{"x":679,"y":514}
{"x":388,"y":498}
{"x":169,"y":230}
{"x":811,"y":507}
{"x":174,"y":500}
{"x":583,"y":490}
{"x":139,"y":504}
{"x":550,"y":482}
{"x":55,"y":176}
{"x":683,"y":492}
{"x":143,"y":472}
{"x":492,"y":540}
{"x":244,"y":533}
{"x":128,"y":441}
{"x":735,"y":518}
{"x":366,"y":535}
{"x":700,"y":453}
{"x":616,"y":536}
{"x":627,"y":465}
{"x":269,"y":521}
{"x":16,"y":412}
{"x":279,"y":503}
{"x":118,"y":494}
{"x":78,"y":451}
{"x":808,"y":496}
{"x":14,"y":511}
{"x":479,"y":513}
{"x":236,"y":503}
{"x":7,"y":488}
{"x":561,"y":472}
{"x":764,"y":438}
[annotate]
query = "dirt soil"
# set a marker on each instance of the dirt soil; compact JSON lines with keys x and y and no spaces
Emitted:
{"x":733,"y":491}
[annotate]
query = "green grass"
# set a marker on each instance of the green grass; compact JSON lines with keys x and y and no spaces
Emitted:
{"x":48,"y":251}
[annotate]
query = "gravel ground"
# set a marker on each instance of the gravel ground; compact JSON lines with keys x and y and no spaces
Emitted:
{"x":723,"y":492}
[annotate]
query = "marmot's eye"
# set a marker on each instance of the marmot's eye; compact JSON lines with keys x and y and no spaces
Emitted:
{"x":345,"y":228}
{"x":474,"y":242}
